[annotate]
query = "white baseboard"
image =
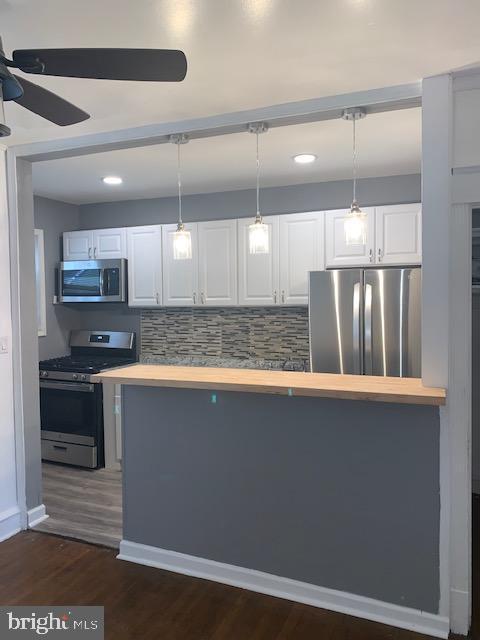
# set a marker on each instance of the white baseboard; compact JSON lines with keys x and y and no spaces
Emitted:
{"x":36,"y":515}
{"x":349,"y":603}
{"x":460,"y":608}
{"x":10,"y":523}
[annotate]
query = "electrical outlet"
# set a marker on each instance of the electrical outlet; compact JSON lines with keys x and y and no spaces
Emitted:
{"x":4,"y":344}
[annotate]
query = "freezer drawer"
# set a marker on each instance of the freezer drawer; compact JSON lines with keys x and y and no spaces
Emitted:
{"x":392,"y":321}
{"x":68,"y":453}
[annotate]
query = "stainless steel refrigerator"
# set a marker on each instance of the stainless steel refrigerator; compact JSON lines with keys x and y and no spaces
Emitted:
{"x":366,"y":321}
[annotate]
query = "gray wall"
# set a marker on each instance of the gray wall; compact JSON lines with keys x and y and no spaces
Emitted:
{"x":341,"y":494}
{"x":54,"y":218}
{"x":238,"y":204}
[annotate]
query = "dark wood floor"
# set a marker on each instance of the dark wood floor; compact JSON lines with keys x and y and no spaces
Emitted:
{"x":149,"y":604}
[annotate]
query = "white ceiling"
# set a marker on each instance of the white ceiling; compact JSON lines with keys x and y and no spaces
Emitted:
{"x":242,"y":53}
{"x":388,"y":144}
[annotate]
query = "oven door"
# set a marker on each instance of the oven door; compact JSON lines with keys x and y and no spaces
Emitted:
{"x":92,"y":281}
{"x":71,"y":411}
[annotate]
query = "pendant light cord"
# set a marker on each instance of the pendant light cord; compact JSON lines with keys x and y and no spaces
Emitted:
{"x":258,"y":180}
{"x":179,"y":184}
{"x":354,"y":162}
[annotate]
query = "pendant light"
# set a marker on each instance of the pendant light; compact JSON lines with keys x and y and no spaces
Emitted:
{"x":258,"y":237}
{"x":182,"y":239}
{"x":355,"y":225}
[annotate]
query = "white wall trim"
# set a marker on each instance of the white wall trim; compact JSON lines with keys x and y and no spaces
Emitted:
{"x":10,"y":523}
{"x":36,"y":515}
{"x":343,"y":602}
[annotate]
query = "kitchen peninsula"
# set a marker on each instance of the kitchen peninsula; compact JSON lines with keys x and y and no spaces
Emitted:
{"x":313,"y":487}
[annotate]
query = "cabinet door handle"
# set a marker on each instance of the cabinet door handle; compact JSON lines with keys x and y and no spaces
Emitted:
{"x":157,"y":297}
{"x":89,"y":252}
{"x":370,"y":255}
{"x":283,"y":297}
{"x":94,"y":253}
{"x":379,"y":255}
{"x":194,"y":297}
{"x":275,"y":296}
{"x":202,"y":298}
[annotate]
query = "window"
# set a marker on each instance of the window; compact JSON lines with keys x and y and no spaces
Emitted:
{"x":40,"y":283}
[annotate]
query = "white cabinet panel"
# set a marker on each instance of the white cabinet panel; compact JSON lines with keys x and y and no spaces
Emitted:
{"x":217,"y":267}
{"x":77,"y":245}
{"x":144,"y":246}
{"x":180,"y":277}
{"x":109,"y":243}
{"x":338,"y":253}
{"x":301,"y":251}
{"x":258,"y":274}
{"x":398,"y":234}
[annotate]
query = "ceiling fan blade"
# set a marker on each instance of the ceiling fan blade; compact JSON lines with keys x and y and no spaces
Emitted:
{"x":48,"y":105}
{"x":156,"y":65}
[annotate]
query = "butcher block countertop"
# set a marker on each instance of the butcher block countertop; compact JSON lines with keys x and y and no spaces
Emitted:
{"x":320,"y":385}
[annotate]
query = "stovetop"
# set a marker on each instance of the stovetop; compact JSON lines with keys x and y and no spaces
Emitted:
{"x":83,"y":364}
{"x":78,"y":368}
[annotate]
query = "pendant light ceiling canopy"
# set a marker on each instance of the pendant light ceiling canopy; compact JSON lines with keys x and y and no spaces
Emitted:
{"x":258,"y":235}
{"x":356,"y":221}
{"x":182,"y":239}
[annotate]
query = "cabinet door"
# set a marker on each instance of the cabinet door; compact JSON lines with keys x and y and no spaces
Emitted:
{"x":301,"y":251}
{"x":338,"y":253}
{"x":399,"y":234}
{"x":77,"y":245}
{"x":109,"y":243}
{"x":144,"y":246}
{"x":258,"y":274}
{"x":180,"y":277}
{"x":217,"y":262}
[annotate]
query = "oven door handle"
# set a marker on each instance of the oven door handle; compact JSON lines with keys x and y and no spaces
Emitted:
{"x":67,"y":386}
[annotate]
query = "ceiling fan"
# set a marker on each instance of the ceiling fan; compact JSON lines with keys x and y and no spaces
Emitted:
{"x":153,"y":65}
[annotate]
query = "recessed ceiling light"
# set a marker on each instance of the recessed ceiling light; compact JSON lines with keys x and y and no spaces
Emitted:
{"x":305,"y":158}
{"x":112,"y":180}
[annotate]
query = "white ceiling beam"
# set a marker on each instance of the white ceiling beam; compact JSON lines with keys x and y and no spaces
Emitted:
{"x":373,"y":101}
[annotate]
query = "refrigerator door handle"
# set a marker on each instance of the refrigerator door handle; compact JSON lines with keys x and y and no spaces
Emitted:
{"x":356,"y":328}
{"x":368,"y":330}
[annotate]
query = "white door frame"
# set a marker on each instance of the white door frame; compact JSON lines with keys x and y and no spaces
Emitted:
{"x":19,"y":161}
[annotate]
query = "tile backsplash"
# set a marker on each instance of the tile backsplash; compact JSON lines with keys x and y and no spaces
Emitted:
{"x":227,"y":332}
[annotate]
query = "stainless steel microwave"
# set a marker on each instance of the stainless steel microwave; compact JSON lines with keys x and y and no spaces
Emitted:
{"x":92,"y":281}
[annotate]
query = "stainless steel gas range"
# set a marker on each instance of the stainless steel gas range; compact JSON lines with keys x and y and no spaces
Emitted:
{"x":71,"y":405}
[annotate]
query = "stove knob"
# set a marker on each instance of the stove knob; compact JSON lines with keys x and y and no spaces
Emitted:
{"x":75,"y":376}
{"x":84,"y":377}
{"x":44,"y":374}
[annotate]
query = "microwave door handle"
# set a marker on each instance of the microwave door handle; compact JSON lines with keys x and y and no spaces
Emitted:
{"x":101,"y":283}
{"x":106,"y":282}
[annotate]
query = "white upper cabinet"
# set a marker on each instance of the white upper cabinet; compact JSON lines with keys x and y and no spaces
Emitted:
{"x":98,"y":244}
{"x":301,"y":251}
{"x":217,"y":266}
{"x":399,"y":234}
{"x":109,"y":243}
{"x":77,"y":245}
{"x":258,"y":274}
{"x":144,"y":249}
{"x":337,"y":252}
{"x":180,"y":277}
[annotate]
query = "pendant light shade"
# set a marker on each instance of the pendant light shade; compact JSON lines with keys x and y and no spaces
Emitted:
{"x":355,"y":225}
{"x":258,"y":232}
{"x":182,"y":243}
{"x":182,"y":239}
